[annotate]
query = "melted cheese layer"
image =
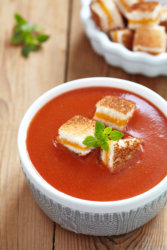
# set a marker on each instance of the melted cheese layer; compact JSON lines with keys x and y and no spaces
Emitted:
{"x":144,"y":21}
{"x":106,"y":158}
{"x":107,"y":118}
{"x":72,"y":144}
{"x":105,"y":9}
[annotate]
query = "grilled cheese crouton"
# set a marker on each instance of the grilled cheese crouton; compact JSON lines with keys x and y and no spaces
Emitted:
{"x":144,"y":13}
{"x":119,"y":153}
{"x":123,"y":36}
{"x":106,"y":15}
{"x":114,"y":111}
{"x":150,"y":39}
{"x":124,"y":5}
{"x":74,"y":131}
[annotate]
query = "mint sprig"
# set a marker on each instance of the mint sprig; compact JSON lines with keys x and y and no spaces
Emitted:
{"x":30,"y":36}
{"x":101,"y":137}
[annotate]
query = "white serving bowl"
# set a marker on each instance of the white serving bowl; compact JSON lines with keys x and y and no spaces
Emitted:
{"x":116,"y":54}
{"x":91,"y":217}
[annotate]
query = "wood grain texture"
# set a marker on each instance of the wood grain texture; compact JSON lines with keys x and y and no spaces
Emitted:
{"x":66,"y":56}
{"x":83,"y":62}
{"x":23,"y":225}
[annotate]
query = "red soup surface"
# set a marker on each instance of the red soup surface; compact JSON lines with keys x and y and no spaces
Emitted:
{"x":85,"y":177}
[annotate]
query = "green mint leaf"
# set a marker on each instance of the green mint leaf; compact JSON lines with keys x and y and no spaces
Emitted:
{"x":105,"y":146}
{"x":42,"y":38}
{"x":17,"y":28}
{"x":17,"y":37}
{"x":28,"y":38}
{"x":116,"y":135}
{"x":26,"y":50}
{"x":102,"y":136}
{"x":35,"y":47}
{"x":20,"y":19}
{"x":107,"y":131}
{"x":99,"y":127}
{"x":90,"y":141}
{"x":29,"y":35}
{"x":28,"y":27}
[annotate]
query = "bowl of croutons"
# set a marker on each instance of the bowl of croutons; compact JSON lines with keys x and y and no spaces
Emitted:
{"x":128,"y":34}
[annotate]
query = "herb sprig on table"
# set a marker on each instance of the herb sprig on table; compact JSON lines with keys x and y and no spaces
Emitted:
{"x":30,"y":36}
{"x":101,"y":137}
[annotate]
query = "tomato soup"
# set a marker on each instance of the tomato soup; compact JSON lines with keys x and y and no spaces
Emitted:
{"x":86,"y":177}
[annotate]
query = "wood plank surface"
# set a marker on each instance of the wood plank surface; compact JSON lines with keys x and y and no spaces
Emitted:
{"x":66,"y":56}
{"x":23,"y":225}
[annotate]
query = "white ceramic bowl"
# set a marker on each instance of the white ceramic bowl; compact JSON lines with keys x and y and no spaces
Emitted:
{"x":116,"y":54}
{"x":90,"y":217}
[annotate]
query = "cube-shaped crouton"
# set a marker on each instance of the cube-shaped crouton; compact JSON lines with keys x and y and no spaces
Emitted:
{"x":150,"y":39}
{"x":123,"y":36}
{"x":119,"y":153}
{"x":106,"y":15}
{"x":114,"y":111}
{"x":144,"y":13}
{"x":124,"y":5}
{"x":74,"y":131}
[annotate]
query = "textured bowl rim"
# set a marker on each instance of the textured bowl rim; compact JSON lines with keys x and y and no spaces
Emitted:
{"x":94,"y":33}
{"x":67,"y":200}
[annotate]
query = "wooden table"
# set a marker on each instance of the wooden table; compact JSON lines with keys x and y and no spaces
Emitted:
{"x":66,"y":56}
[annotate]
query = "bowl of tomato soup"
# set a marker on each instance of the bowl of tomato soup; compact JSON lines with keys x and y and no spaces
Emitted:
{"x":78,"y":192}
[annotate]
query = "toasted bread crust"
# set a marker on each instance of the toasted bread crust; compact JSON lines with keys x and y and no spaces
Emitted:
{"x":127,"y":39}
{"x":150,"y":37}
{"x":95,"y":17}
{"x":120,"y":152}
{"x":118,"y":104}
{"x":78,"y":125}
{"x":144,"y":6}
{"x":106,"y":15}
{"x":126,"y":36}
{"x":123,"y":154}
